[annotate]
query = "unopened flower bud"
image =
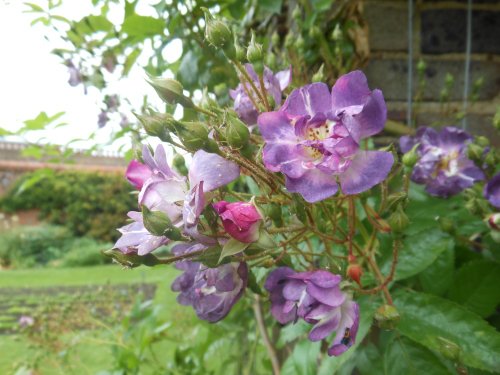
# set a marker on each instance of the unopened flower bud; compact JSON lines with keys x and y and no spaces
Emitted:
{"x":254,"y":51}
{"x":447,"y":225}
{"x":297,"y":14}
{"x":398,"y":220}
{"x":354,"y":272}
{"x":300,"y":44}
{"x":155,"y":126}
{"x":474,"y":151}
{"x":170,"y":91}
{"x":315,"y":32}
{"x":180,"y":164}
{"x":216,"y":32}
{"x":275,"y":39}
{"x":387,"y":317}
{"x":491,"y":159}
{"x":237,"y":133}
{"x":158,"y":223}
{"x":482,"y":141}
{"x":393,"y":200}
{"x":449,"y":349}
{"x":337,"y":33}
{"x":289,"y":40}
{"x":241,"y":53}
{"x":131,"y":260}
{"x":496,"y":119}
{"x":411,"y":157}
{"x":271,"y":63}
{"x":319,"y":76}
{"x":193,"y":135}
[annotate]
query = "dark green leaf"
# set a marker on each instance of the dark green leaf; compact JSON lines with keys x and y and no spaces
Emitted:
{"x":431,"y":321}
{"x":477,"y":287}
{"x":418,"y":253}
{"x":437,"y":278}
{"x":142,"y":26}
{"x":232,"y":247}
{"x":292,"y":332}
{"x":404,"y":356}
{"x":270,"y":6}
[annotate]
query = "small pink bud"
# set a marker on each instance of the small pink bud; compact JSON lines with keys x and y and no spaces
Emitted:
{"x":494,"y":221}
{"x":241,"y":220}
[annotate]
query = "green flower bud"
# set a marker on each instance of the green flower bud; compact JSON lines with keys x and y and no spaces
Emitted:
{"x":496,"y":119}
{"x":131,"y":260}
{"x":319,"y":76}
{"x":446,"y":225}
{"x":398,"y":220}
{"x":254,"y":51}
{"x":300,"y":44}
{"x":158,"y":223}
{"x":193,"y":135}
{"x":271,"y":61}
{"x":289,"y":40}
{"x":411,"y":157}
{"x":449,"y":348}
{"x":475,"y":152}
{"x":387,"y":317}
{"x":170,"y":91}
{"x":275,"y":39}
{"x":473,"y":206}
{"x":491,"y":159}
{"x":337,"y":33}
{"x":155,"y":126}
{"x":395,"y":199}
{"x":315,"y":32}
{"x":237,"y":133}
{"x":216,"y":32}
{"x":297,"y":14}
{"x":180,"y":164}
{"x":241,"y":54}
{"x":482,"y":141}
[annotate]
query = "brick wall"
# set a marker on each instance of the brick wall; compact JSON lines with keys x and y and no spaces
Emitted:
{"x":439,"y":39}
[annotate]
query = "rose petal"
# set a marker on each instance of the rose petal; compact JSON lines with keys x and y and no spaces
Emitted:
{"x":308,"y":100}
{"x":314,"y":185}
{"x":367,"y":169}
{"x":212,"y":169}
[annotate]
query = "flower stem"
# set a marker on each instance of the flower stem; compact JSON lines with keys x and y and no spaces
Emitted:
{"x":265,"y":336}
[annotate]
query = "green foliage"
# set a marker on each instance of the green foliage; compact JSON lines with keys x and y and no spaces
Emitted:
{"x":89,"y":204}
{"x":449,"y":329}
{"x":26,"y":247}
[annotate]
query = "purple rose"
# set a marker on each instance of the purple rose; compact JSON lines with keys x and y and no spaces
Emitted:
{"x":443,"y":165}
{"x":492,"y":191}
{"x":316,"y":297}
{"x":241,"y":220}
{"x":211,"y":292}
{"x":314,"y":138}
{"x":274,"y":84}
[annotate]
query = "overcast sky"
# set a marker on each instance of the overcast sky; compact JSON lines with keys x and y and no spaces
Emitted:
{"x":33,"y":80}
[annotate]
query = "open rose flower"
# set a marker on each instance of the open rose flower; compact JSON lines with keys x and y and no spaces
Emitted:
{"x":492,"y":191}
{"x":212,"y":292}
{"x":241,"y":220}
{"x":443,"y":165}
{"x":274,"y":85}
{"x":314,"y":139}
{"x":314,"y":296}
{"x":161,"y":189}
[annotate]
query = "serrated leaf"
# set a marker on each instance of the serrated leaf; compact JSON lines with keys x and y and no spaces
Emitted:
{"x":419,"y":252}
{"x":430,"y":320}
{"x":476,"y":286}
{"x":438,"y":277}
{"x":303,"y":360}
{"x":232,"y":247}
{"x":292,"y":332}
{"x":404,"y":356}
{"x":142,"y":26}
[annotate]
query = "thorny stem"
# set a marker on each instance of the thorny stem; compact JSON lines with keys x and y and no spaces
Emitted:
{"x":263,"y":90}
{"x":250,"y":81}
{"x":265,"y":336}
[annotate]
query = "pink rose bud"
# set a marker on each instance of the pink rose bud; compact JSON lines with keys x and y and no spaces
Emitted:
{"x":240,"y":219}
{"x":137,"y":173}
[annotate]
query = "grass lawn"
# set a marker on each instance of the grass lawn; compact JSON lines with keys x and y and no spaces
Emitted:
{"x":93,"y":352}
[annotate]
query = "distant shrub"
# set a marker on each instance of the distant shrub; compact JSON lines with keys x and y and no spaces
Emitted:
{"x":90,"y":204}
{"x":26,"y":247}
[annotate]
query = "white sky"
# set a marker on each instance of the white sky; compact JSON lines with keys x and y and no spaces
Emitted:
{"x":33,"y":80}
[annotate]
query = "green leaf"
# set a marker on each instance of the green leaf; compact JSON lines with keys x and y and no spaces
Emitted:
{"x":271,"y":6}
{"x":438,"y":277}
{"x":232,"y":247}
{"x":303,"y":360}
{"x":367,"y":306}
{"x":292,"y":332}
{"x":476,"y":286}
{"x":41,"y":121}
{"x":431,"y":321}
{"x":142,"y":26}
{"x":130,"y":60}
{"x":404,"y":356}
{"x":418,"y":253}
{"x":34,"y":7}
{"x":99,"y":23}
